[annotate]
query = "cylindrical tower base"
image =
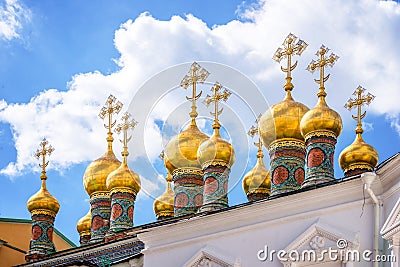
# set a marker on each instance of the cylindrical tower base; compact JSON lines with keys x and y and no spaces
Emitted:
{"x":215,"y":193}
{"x":287,"y":165}
{"x":100,"y":209}
{"x":188,"y":191}
{"x":320,"y":151}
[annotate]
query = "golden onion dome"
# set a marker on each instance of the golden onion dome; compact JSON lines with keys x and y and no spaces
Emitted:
{"x":258,"y":179}
{"x":43,"y":200}
{"x":84,"y":224}
{"x":181,"y":150}
{"x":123,"y":177}
{"x":164,"y":205}
{"x":321,"y":118}
{"x":216,"y":150}
{"x":94,"y":179}
{"x":358,"y":155}
{"x":282,"y":120}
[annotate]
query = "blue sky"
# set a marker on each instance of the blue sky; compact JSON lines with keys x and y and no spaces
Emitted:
{"x":59,"y":61}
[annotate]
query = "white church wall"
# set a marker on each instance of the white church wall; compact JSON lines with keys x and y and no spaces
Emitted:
{"x":242,"y":243}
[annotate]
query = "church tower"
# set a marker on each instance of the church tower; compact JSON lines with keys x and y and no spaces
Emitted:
{"x":257,"y":182}
{"x":358,"y":157}
{"x":94,"y":179}
{"x":216,"y":157}
{"x":181,"y":153}
{"x":123,"y":184}
{"x":164,"y":205}
{"x":83,"y":227}
{"x":43,"y":208}
{"x":279,"y":127}
{"x":320,"y":127}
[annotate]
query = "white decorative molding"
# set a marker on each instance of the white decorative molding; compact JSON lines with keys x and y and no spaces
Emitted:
{"x":211,"y":257}
{"x":391,"y":227}
{"x":319,"y":237}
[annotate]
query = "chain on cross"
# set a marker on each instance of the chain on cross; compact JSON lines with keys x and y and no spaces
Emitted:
{"x":42,"y":152}
{"x":216,"y":98}
{"x":320,"y":64}
{"x":126,"y":124}
{"x":111,"y":107}
{"x":254,"y":131}
{"x":196,"y":74}
{"x":358,"y":102}
{"x":291,"y":46}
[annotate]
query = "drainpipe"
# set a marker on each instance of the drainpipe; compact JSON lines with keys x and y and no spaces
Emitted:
{"x":368,"y":178}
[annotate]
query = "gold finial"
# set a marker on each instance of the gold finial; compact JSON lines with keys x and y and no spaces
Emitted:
{"x":216,"y":97}
{"x":123,"y":127}
{"x":112,"y":106}
{"x":196,"y":74}
{"x":320,"y":64}
{"x":359,"y":101}
{"x":291,"y":45}
{"x":42,"y":152}
{"x":252,"y":132}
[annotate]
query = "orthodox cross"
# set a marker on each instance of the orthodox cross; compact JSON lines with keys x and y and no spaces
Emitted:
{"x":42,"y":152}
{"x":112,"y":106}
{"x":216,"y":98}
{"x":252,"y":132}
{"x":196,"y":74}
{"x":320,"y":64}
{"x":123,"y":127}
{"x":291,"y":45}
{"x":358,"y":102}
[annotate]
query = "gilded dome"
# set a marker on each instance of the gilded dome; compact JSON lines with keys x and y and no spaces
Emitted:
{"x":94,"y":179}
{"x":164,"y":204}
{"x":43,"y":200}
{"x":181,"y":150}
{"x":84,"y":224}
{"x":358,"y":155}
{"x":215,"y":149}
{"x":123,"y":177}
{"x":258,"y":179}
{"x":282,"y":120}
{"x":321,"y":118}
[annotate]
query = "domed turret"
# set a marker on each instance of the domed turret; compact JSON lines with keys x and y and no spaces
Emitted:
{"x":83,"y":227}
{"x":216,"y":156}
{"x":279,"y":127}
{"x":321,"y":119}
{"x":94,"y":179}
{"x":320,"y":127}
{"x":257,"y":182}
{"x":358,"y":157}
{"x":43,"y":208}
{"x":282,"y":121}
{"x":123,"y":177}
{"x":43,"y":201}
{"x":123,"y":184}
{"x":180,"y":153}
{"x":216,"y":150}
{"x":181,"y":150}
{"x":164,"y":204}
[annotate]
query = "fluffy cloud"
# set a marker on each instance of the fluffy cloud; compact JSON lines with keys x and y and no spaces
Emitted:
{"x":363,"y":33}
{"x":13,"y":15}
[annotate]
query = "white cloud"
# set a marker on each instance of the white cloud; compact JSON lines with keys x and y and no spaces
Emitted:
{"x":394,"y":122}
{"x":13,"y":16}
{"x":363,"y":33}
